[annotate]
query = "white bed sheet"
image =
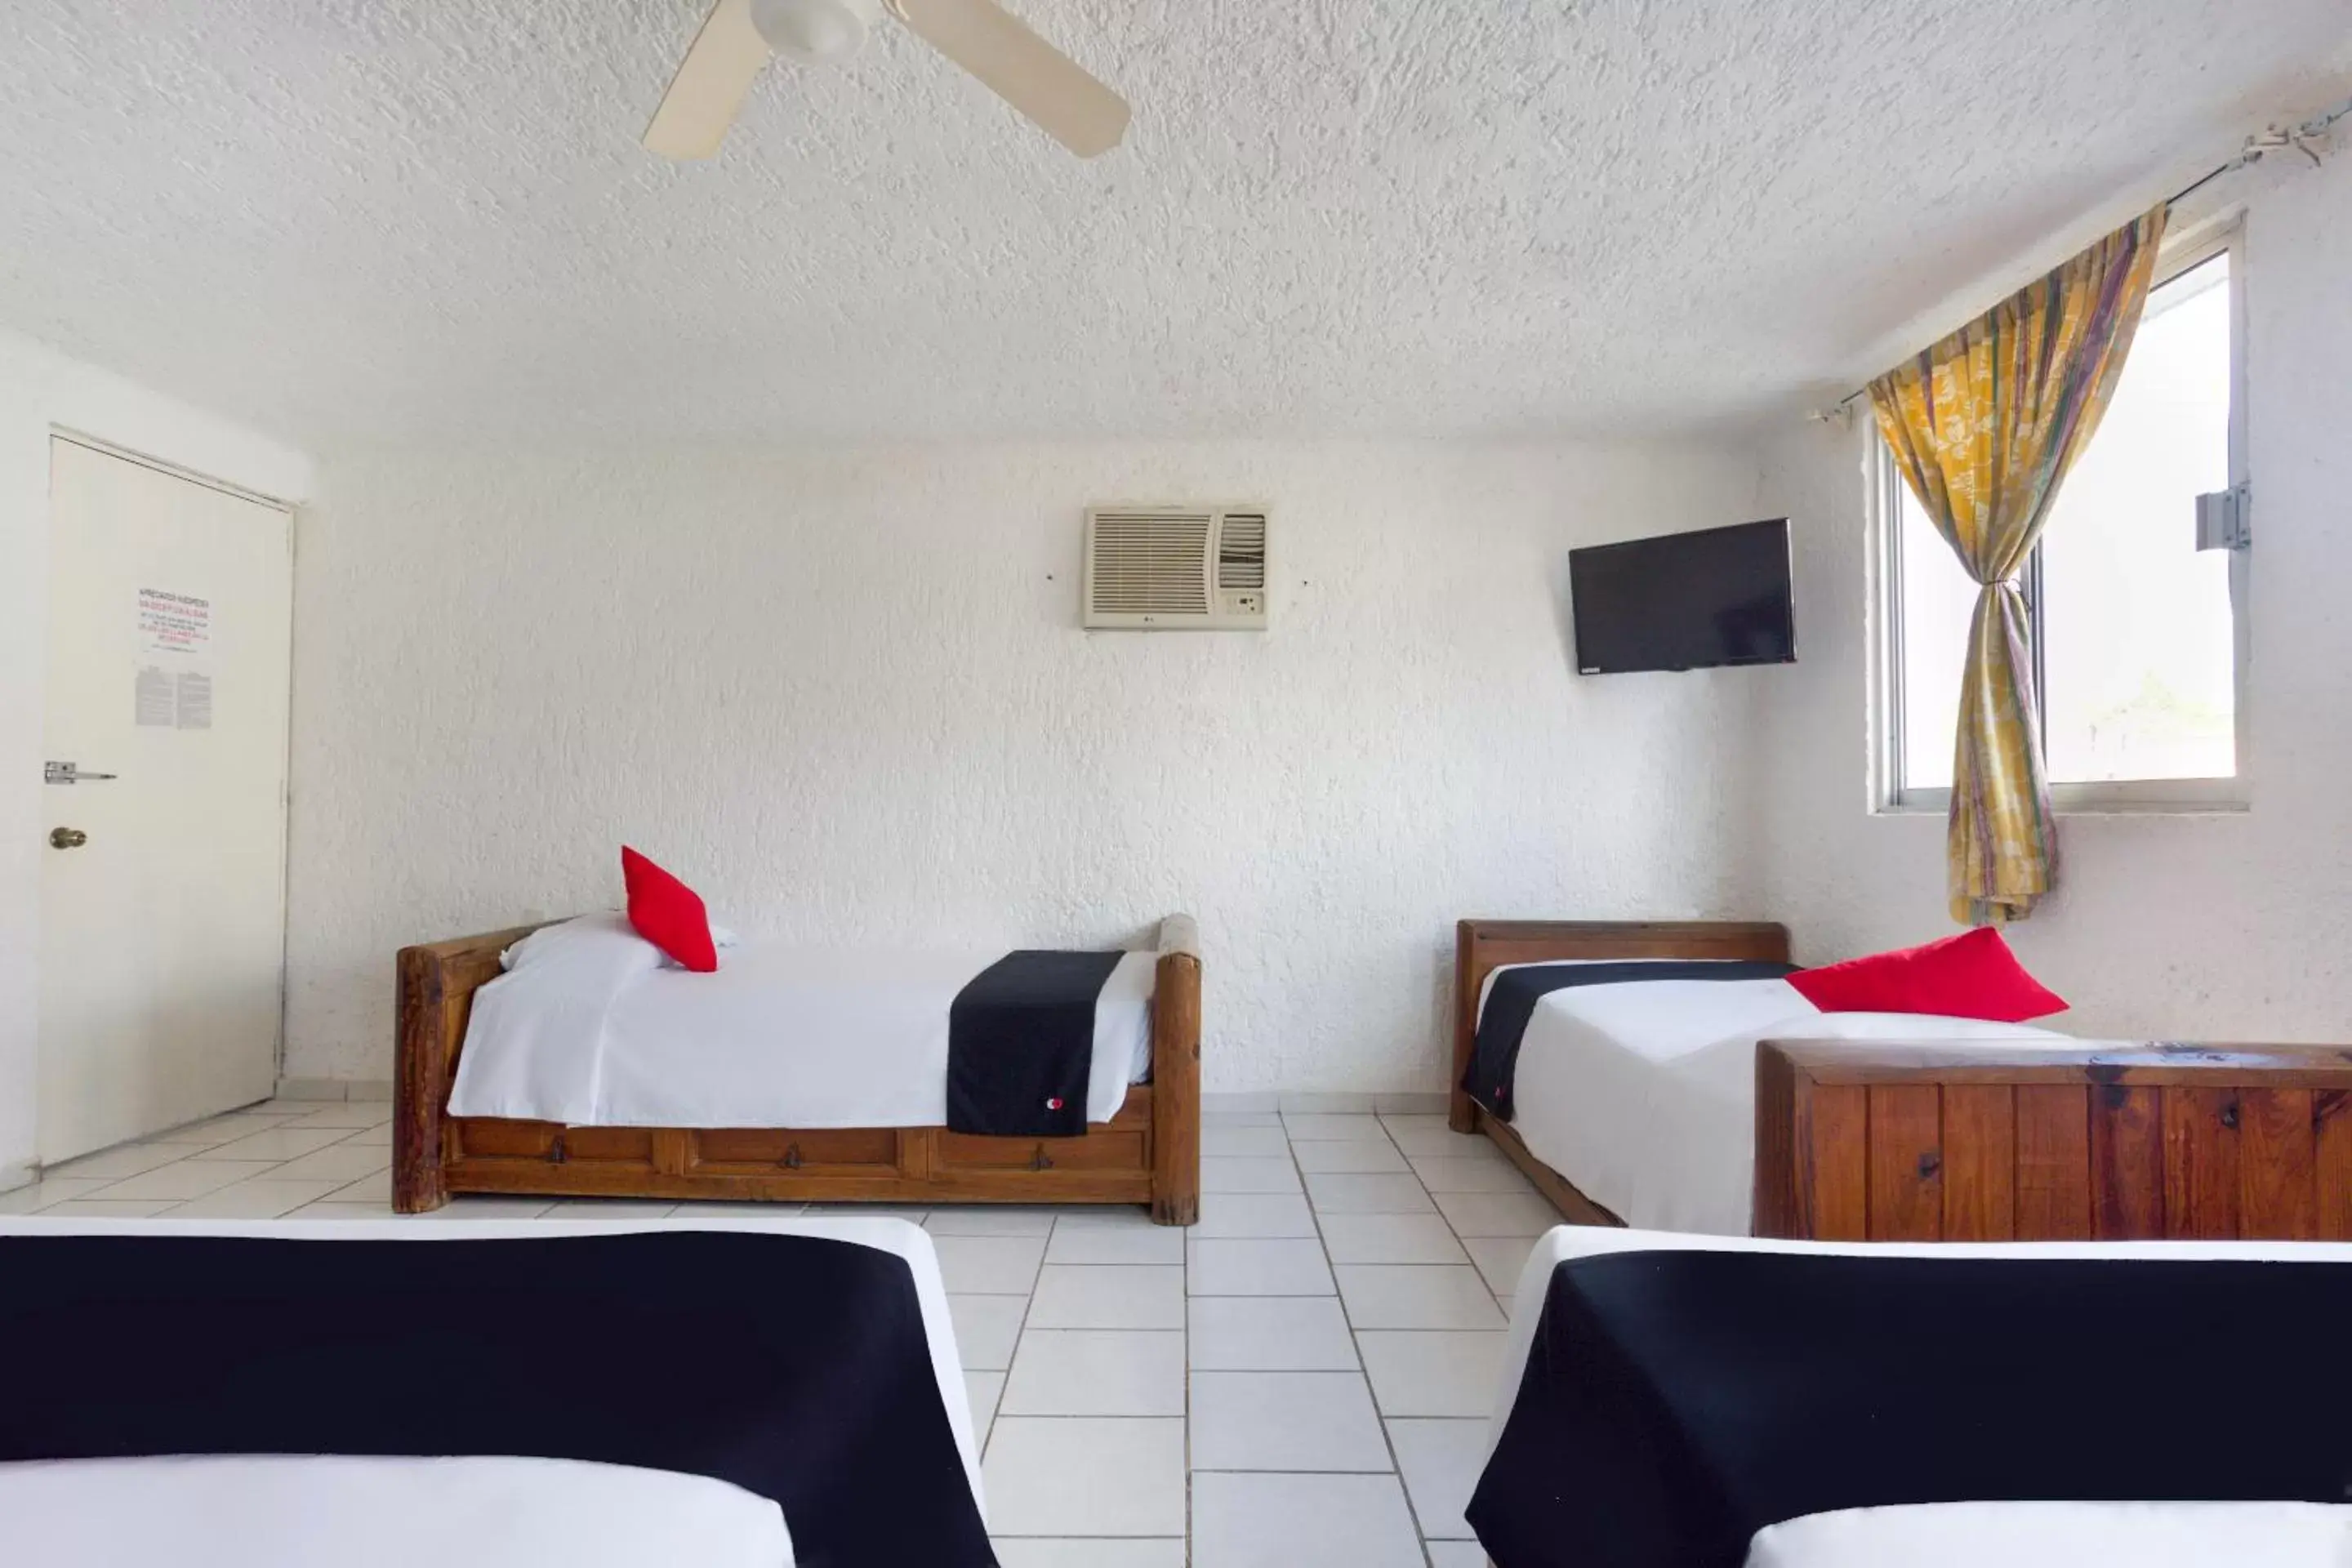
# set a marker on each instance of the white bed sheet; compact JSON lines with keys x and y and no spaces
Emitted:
{"x":1643,"y":1094}
{"x":1979,"y":1535}
{"x":302,"y":1511}
{"x":550,"y":1484}
{"x":589,"y":1027}
{"x":2064,"y":1535}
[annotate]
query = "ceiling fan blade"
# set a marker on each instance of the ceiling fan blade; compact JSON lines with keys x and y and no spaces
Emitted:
{"x":1021,"y":68}
{"x":721,"y":65}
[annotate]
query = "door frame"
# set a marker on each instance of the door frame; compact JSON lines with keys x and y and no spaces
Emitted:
{"x":104,"y":448}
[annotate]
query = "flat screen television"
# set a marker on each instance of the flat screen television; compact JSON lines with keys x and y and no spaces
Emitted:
{"x":1684,"y":601}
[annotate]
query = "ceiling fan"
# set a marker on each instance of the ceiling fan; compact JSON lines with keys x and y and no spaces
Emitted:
{"x":981,"y":36}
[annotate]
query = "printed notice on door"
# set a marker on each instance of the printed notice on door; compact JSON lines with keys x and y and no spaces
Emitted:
{"x":174,"y":677}
{"x":191,"y":701}
{"x":179,"y":625}
{"x":156,"y":702}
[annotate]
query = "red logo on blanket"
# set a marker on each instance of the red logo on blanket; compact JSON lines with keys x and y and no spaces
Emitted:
{"x":1055,"y":1103}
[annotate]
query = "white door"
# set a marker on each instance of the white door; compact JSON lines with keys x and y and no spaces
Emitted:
{"x":162,"y":887}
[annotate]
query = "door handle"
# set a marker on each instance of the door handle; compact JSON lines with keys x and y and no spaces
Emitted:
{"x":68,"y":838}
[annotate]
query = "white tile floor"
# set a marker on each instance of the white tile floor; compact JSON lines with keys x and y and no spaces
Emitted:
{"x":1300,"y":1380}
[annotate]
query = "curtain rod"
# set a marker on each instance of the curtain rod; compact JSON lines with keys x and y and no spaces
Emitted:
{"x":2257,"y":147}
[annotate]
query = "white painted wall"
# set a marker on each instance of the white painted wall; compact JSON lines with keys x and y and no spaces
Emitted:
{"x":844,"y":693}
{"x":41,"y":390}
{"x":2225,"y":927}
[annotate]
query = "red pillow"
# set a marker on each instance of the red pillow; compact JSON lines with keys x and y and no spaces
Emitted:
{"x":1971,"y":975}
{"x":668,"y":913}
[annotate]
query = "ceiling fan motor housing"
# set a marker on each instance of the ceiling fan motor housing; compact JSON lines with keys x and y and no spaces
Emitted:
{"x":816,"y":31}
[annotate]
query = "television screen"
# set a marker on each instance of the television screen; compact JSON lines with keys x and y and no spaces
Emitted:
{"x":1684,"y":601}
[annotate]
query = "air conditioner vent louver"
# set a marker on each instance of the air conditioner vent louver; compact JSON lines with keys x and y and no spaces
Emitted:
{"x":1152,"y":568}
{"x":1241,"y":552}
{"x":1150,"y":565}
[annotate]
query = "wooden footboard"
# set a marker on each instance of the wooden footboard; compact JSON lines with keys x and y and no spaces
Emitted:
{"x":1176,"y":1075}
{"x":1148,"y":1154}
{"x":1938,"y":1141}
{"x":434,"y":987}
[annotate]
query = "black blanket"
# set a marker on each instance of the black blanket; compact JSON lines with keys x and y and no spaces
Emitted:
{"x":795,"y":1367}
{"x":1511,"y":1002}
{"x":1677,"y":1402}
{"x":1021,"y":1045}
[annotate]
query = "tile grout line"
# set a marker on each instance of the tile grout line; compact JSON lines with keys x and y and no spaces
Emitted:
{"x":1355,"y":1343}
{"x":149,"y":1140}
{"x":1186,"y":1279}
{"x":1019,"y":1334}
{"x":1183,"y":1331}
{"x":1428,"y":1549}
{"x":195,"y":1155}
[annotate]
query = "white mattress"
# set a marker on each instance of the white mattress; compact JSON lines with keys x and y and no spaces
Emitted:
{"x":295,"y":1512}
{"x":282,"y":1511}
{"x":1983,"y":1535}
{"x":1643,"y":1093}
{"x":590,"y":1027}
{"x":2064,"y":1535}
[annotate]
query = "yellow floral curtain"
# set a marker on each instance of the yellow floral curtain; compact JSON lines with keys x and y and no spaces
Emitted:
{"x":1983,"y":426}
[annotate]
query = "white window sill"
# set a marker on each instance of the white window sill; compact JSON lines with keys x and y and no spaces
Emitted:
{"x":2182,"y":797}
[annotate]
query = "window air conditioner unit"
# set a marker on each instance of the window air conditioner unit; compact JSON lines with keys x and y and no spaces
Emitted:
{"x":1176,"y":568}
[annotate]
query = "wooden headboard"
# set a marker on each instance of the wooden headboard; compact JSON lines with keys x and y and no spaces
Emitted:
{"x":1483,"y":946}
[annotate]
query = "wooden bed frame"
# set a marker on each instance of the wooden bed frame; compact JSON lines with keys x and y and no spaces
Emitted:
{"x":1148,"y":1154}
{"x":1946,"y":1140}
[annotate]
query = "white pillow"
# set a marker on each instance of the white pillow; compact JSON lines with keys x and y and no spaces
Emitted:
{"x":600,"y":930}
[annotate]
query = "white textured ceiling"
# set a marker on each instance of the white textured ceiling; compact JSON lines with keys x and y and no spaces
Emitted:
{"x":387,"y":220}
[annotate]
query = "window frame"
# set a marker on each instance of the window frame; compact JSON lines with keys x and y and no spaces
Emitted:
{"x":2119,"y":796}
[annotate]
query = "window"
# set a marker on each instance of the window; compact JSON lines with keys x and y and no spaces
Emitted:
{"x":2138,"y":635}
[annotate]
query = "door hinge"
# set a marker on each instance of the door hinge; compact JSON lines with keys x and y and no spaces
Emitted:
{"x":2224,"y":519}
